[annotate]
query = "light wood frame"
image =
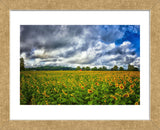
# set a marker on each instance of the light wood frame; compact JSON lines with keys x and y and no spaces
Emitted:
{"x":152,"y":5}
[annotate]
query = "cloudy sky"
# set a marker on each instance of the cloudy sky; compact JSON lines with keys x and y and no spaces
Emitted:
{"x":80,"y":45}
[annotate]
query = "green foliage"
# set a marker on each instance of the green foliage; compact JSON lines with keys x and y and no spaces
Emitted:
{"x":50,"y":68}
{"x":78,"y":68}
{"x":104,"y":68}
{"x":121,"y":69}
{"x":115,"y":68}
{"x":132,"y":68}
{"x":87,"y":68}
{"x":100,"y":69}
{"x":94,"y":69}
{"x":58,"y":68}
{"x":22,"y":64}
{"x":83,"y":68}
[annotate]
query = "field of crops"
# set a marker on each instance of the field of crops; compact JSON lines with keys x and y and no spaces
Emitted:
{"x":80,"y":88}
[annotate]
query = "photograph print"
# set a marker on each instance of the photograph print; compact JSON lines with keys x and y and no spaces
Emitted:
{"x":79,"y":64}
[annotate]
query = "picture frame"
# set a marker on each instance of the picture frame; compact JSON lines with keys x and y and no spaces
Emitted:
{"x":6,"y":6}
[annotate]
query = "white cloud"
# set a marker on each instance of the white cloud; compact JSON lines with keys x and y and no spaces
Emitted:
{"x":136,"y":62}
{"x":125,"y":44}
{"x":76,"y":46}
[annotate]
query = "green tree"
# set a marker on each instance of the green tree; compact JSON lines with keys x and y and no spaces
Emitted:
{"x":136,"y":69}
{"x":130,"y":67}
{"x":121,"y":69}
{"x":83,"y":68}
{"x":100,"y":69}
{"x":87,"y":68}
{"x":22,"y":64}
{"x":94,"y":69}
{"x":78,"y":68}
{"x":104,"y":68}
{"x":115,"y":68}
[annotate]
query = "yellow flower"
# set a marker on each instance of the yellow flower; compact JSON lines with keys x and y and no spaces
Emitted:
{"x":131,"y":91}
{"x":92,"y":87}
{"x":97,"y":83}
{"x":117,"y":94}
{"x":90,"y":91}
{"x":121,"y":86}
{"x":114,"y":97}
{"x":126,"y":95}
{"x":82,"y":87}
{"x":116,"y":84}
{"x":124,"y":82}
{"x":110,"y":84}
{"x":136,"y":103}
{"x":130,"y":81}
{"x":131,"y":86}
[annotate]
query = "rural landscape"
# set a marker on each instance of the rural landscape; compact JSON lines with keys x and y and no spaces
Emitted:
{"x":80,"y":65}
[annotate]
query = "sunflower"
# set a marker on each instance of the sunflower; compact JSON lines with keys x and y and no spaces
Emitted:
{"x":131,"y":91}
{"x":114,"y":97}
{"x":118,"y":94}
{"x":116,"y":85}
{"x":82,"y":87}
{"x":126,"y":95}
{"x":136,"y":103}
{"x":131,"y":86}
{"x":110,"y":84}
{"x":90,"y":91}
{"x":97,"y":83}
{"x":121,"y":86}
{"x":130,"y":81}
{"x":92,"y":87}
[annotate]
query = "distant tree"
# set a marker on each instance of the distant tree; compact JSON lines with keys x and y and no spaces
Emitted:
{"x":22,"y":64}
{"x":87,"y":68}
{"x":100,"y":69}
{"x":115,"y":68}
{"x":121,"y":69}
{"x":136,"y":69}
{"x":130,"y":67}
{"x":111,"y":69}
{"x":94,"y":69}
{"x":83,"y":68}
{"x":104,"y":68}
{"x":78,"y":68}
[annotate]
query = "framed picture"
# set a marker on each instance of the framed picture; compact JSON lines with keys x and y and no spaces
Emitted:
{"x":90,"y":68}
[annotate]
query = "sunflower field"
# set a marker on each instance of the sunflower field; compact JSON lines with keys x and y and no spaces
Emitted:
{"x":80,"y":88}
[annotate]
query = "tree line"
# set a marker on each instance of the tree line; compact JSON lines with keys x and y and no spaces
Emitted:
{"x":87,"y":68}
{"x":115,"y":68}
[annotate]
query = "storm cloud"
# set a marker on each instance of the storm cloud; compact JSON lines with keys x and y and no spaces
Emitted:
{"x":80,"y":45}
